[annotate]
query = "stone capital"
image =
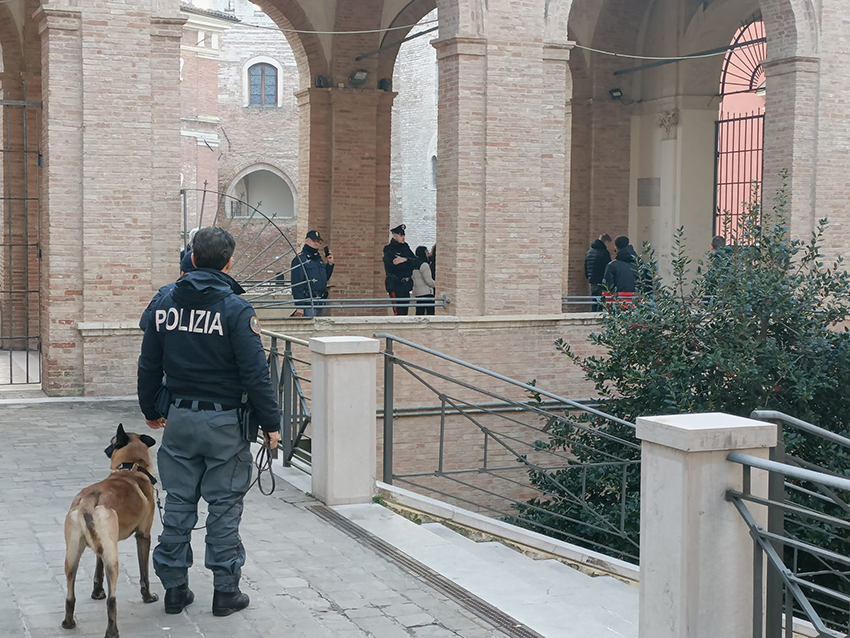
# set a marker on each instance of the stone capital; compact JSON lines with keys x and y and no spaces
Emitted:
{"x":557,"y":51}
{"x":58,"y":19}
{"x":460,"y":46}
{"x":168,"y":27}
{"x":796,"y":64}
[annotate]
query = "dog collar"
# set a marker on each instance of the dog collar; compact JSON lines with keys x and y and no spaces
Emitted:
{"x":136,"y":466}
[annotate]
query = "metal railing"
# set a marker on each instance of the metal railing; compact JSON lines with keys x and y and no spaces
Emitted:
{"x":511,"y":450}
{"x":805,"y":543}
{"x":294,"y":401}
{"x":263,"y":301}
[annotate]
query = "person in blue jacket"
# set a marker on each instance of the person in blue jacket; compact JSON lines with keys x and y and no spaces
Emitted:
{"x":205,"y":340}
{"x":311,"y":270}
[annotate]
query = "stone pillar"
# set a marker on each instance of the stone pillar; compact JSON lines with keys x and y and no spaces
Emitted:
{"x":555,"y":166}
{"x":461,"y":155}
{"x":344,"y":438}
{"x":344,"y":171}
{"x":62,"y":200}
{"x":696,"y":555}
{"x":790,"y":138}
{"x":166,"y":32}
{"x":314,"y":172}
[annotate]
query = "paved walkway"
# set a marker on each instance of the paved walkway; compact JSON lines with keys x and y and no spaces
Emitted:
{"x":306,"y":579}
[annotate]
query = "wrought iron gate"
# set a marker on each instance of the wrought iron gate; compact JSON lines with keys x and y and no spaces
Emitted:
{"x":20,"y":248}
{"x":738,"y":168}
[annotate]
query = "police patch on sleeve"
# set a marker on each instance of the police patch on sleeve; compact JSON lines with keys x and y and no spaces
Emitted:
{"x":255,"y":325}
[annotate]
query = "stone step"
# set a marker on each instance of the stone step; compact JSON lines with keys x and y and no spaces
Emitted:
{"x":571,"y":609}
{"x":561,"y":583}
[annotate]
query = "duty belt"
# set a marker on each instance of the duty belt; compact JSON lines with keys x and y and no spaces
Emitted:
{"x":192,"y":404}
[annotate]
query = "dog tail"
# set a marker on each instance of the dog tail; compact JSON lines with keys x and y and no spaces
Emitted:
{"x":92,"y":538}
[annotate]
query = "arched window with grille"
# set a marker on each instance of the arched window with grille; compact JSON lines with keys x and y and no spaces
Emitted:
{"x":263,"y":79}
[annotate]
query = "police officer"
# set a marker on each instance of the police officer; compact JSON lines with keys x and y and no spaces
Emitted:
{"x":206,"y":340}
{"x":311,"y":270}
{"x":399,"y":264}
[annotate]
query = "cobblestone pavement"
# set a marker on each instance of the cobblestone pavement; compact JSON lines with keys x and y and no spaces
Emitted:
{"x":305,"y":578}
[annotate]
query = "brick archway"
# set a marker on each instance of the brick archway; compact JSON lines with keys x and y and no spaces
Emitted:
{"x":307,"y":48}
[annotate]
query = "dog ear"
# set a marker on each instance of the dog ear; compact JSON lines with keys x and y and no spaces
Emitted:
{"x":121,"y":438}
{"x":109,"y":450}
{"x":147,"y":440}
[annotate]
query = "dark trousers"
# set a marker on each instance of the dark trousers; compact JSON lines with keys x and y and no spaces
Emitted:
{"x":204,"y":455}
{"x":403,"y":306}
{"x":596,"y":290}
{"x":421,"y":308}
{"x":316,"y":310}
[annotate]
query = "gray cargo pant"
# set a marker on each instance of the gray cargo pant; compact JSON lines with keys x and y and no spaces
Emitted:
{"x":202,"y":455}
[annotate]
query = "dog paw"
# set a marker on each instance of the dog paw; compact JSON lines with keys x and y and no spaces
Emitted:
{"x":111,"y":633}
{"x":98,"y":594}
{"x":149,"y":598}
{"x":69,"y":624}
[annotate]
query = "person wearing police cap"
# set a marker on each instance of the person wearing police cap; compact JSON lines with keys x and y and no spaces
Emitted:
{"x":205,"y":340}
{"x":311,"y":269}
{"x":186,"y":265}
{"x":399,"y":264}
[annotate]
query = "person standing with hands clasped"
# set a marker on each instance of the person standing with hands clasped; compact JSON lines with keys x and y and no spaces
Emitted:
{"x":399,"y":264}
{"x":205,"y":339}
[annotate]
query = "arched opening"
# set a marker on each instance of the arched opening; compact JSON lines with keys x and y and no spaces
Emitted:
{"x":20,"y":210}
{"x":413,"y":171}
{"x":738,"y":173}
{"x":265,"y":189}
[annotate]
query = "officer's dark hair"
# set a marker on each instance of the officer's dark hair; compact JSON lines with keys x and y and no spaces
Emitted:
{"x":621,"y":242}
{"x":605,"y":237}
{"x":212,"y":247}
{"x":718,"y":242}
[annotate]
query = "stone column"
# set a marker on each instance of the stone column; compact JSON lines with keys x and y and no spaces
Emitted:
{"x":696,"y":554}
{"x":555,"y":168}
{"x":62,"y":200}
{"x":314,"y":161}
{"x":461,"y":154}
{"x":790,"y":138}
{"x":166,"y":32}
{"x":344,"y":438}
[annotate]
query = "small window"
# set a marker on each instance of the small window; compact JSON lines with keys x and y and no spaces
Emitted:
{"x":263,"y":79}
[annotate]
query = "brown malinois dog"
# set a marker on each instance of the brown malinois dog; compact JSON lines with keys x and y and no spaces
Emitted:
{"x":108,"y":512}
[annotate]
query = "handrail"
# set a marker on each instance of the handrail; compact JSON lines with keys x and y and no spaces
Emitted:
{"x":501,"y":377}
{"x":773,"y":415}
{"x":284,"y":337}
{"x":789,"y":470}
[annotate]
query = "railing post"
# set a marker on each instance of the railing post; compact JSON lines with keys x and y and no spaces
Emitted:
{"x":696,"y":553}
{"x":344,"y":377}
{"x":388,"y":413}
{"x":286,"y":383}
{"x":775,"y":525}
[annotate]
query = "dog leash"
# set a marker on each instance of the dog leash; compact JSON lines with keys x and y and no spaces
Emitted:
{"x":263,"y":463}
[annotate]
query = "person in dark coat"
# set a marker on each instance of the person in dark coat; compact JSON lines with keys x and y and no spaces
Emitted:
{"x":399,"y":264}
{"x":311,"y":270}
{"x":621,"y":275}
{"x":203,"y":340}
{"x":595,"y":261}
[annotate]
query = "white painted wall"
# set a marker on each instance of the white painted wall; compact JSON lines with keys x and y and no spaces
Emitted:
{"x":268,"y":192}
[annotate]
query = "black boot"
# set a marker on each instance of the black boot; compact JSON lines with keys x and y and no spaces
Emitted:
{"x":178,"y":598}
{"x":226,"y":602}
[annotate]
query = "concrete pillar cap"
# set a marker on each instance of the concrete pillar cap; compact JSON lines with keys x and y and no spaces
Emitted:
{"x":706,"y":432}
{"x":344,"y":345}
